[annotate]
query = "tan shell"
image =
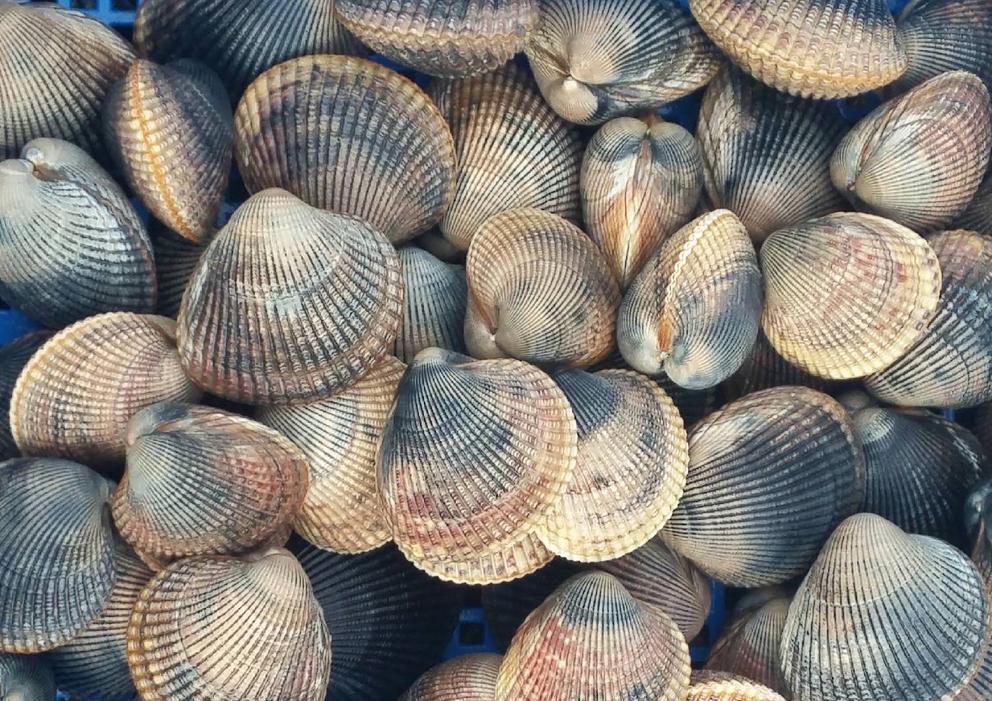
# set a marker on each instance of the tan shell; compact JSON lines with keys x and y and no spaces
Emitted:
{"x":717,"y":686}
{"x":433,"y":305}
{"x":539,"y":290}
{"x":977,"y":216}
{"x":13,"y":357}
{"x":749,"y":646}
{"x":470,"y":677}
{"x":847,"y":294}
{"x":765,"y":368}
{"x":350,"y":136}
{"x":26,"y":678}
{"x":175,"y":261}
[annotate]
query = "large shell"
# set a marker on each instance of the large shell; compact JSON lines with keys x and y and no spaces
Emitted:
{"x":750,"y":646}
{"x":433,"y":305}
{"x":765,"y":368}
{"x":71,"y":245}
{"x":26,"y":678}
{"x":219,"y":627}
{"x":56,"y":552}
{"x":847,"y":294}
{"x":640,"y":181}
{"x":13,"y":357}
{"x":175,"y":262}
{"x":812,"y":48}
{"x":320,"y":293}
{"x":977,"y":216}
{"x":539,"y":290}
{"x":56,"y":67}
{"x":771,"y":475}
{"x":77,"y":393}
{"x":598,"y":59}
{"x":766,"y":155}
{"x":592,"y":639}
{"x":693,"y":311}
{"x":339,"y":435}
{"x":350,"y":136}
{"x":512,"y":151}
{"x":951,"y":365}
{"x":717,"y":686}
{"x":171,"y":131}
{"x":885,"y":615}
{"x":467,"y":678}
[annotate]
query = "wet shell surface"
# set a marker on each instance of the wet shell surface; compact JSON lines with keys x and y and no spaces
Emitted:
{"x":321,"y":294}
{"x":592,"y":639}
{"x":77,"y":393}
{"x":694,"y":309}
{"x":13,"y":357}
{"x":749,"y":646}
{"x":716,"y":686}
{"x":919,"y":158}
{"x":539,"y":290}
{"x":885,"y":614}
{"x":847,"y":294}
{"x":350,"y":136}
{"x":26,"y":678}
{"x":641,"y":180}
{"x":175,"y":261}
{"x":71,"y":245}
{"x":599,"y":59}
{"x":512,"y":151}
{"x":433,"y":304}
{"x":946,"y":35}
{"x":771,"y":475}
{"x":765,"y":368}
{"x":56,"y":552}
{"x":467,"y":678}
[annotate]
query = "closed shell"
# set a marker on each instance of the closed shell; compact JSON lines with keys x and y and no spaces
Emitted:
{"x":13,"y":357}
{"x":946,"y":35}
{"x":716,"y":686}
{"x":470,"y":677}
{"x":433,"y":305}
{"x":25,"y":678}
{"x":749,"y":647}
{"x":175,"y":261}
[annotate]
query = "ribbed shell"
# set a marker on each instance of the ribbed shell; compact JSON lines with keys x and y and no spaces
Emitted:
{"x":811,"y":48}
{"x":951,"y":365}
{"x":847,"y":294}
{"x":512,"y":151}
{"x":592,"y":640}
{"x":539,"y":290}
{"x":26,"y":678}
{"x":171,"y":131}
{"x":749,"y":647}
{"x":693,"y":311}
{"x":56,"y":552}
{"x":765,"y":368}
{"x":56,"y":67}
{"x":766,"y":155}
{"x":77,"y":393}
{"x":320,"y":295}
{"x":342,"y":511}
{"x":977,"y":216}
{"x":598,"y":59}
{"x":980,"y":687}
{"x":470,"y":677}
{"x":433,"y":305}
{"x":434,"y":243}
{"x":175,"y":261}
{"x":640,"y":181}
{"x":946,"y":35}
{"x":716,"y":686}
{"x":350,"y":136}
{"x":13,"y":357}
{"x":884,"y":615}
{"x":771,"y":475}
{"x":71,"y":245}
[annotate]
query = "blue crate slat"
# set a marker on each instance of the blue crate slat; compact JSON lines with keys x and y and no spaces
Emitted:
{"x":14,"y":324}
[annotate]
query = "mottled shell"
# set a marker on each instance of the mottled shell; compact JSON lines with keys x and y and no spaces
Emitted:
{"x":946,"y":35}
{"x":539,"y":290}
{"x":592,"y":639}
{"x":512,"y":151}
{"x":749,"y":647}
{"x":26,"y":678}
{"x":320,"y":293}
{"x":433,"y":305}
{"x":716,"y":686}
{"x":470,"y":677}
{"x":693,"y":311}
{"x":175,"y":261}
{"x":13,"y":357}
{"x":766,"y":154}
{"x":765,"y":368}
{"x":350,"y":136}
{"x":599,"y":59}
{"x":771,"y":475}
{"x":951,"y":365}
{"x":847,"y":294}
{"x":640,"y":182}
{"x":71,"y":245}
{"x":885,"y":614}
{"x":56,"y":552}
{"x":811,"y":48}
{"x":977,"y":216}
{"x":77,"y":393}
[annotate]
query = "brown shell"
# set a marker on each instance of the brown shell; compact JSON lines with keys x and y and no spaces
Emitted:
{"x":749,"y":646}
{"x":847,"y":294}
{"x":26,"y":678}
{"x":765,"y":368}
{"x":175,"y":261}
{"x":539,"y":290}
{"x":470,"y":677}
{"x":433,"y":305}
{"x":717,"y":686}
{"x":13,"y":357}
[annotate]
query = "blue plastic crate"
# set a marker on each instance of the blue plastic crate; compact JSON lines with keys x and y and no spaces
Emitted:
{"x":116,"y":13}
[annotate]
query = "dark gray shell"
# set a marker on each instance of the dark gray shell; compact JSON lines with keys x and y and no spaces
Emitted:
{"x":946,"y":35}
{"x":25,"y":678}
{"x":434,"y":301}
{"x":175,"y":261}
{"x":13,"y":357}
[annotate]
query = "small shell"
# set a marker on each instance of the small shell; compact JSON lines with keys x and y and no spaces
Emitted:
{"x":77,"y":393}
{"x":13,"y":357}
{"x":885,"y":615}
{"x":749,"y":647}
{"x":716,"y":686}
{"x":350,"y":136}
{"x":977,"y":216}
{"x":433,"y":306}
{"x":693,"y":311}
{"x":175,"y":261}
{"x":467,"y":678}
{"x":71,"y":245}
{"x":598,"y":59}
{"x":512,"y":151}
{"x":847,"y":294}
{"x":640,"y":182}
{"x":539,"y":290}
{"x":56,"y":552}
{"x":764,"y":368}
{"x":26,"y":678}
{"x":771,"y":475}
{"x":592,"y":639}
{"x":321,"y":295}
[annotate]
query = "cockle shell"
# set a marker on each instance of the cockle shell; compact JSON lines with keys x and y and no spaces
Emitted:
{"x":978,"y":511}
{"x":749,"y":646}
{"x":321,"y":294}
{"x":847,"y":294}
{"x":718,"y":686}
{"x":13,"y":357}
{"x":693,"y":310}
{"x":946,"y":35}
{"x":977,"y":216}
{"x":71,"y":245}
{"x":350,"y":136}
{"x":640,"y":181}
{"x":539,"y":290}
{"x":175,"y":262}
{"x":765,"y":368}
{"x":470,"y":677}
{"x":598,"y":59}
{"x":25,"y":678}
{"x":433,"y":305}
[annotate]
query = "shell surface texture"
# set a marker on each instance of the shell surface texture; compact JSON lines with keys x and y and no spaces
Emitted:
{"x":749,"y":647}
{"x":717,"y":686}
{"x":13,"y":357}
{"x":946,"y":35}
{"x":26,"y":678}
{"x":977,"y":216}
{"x":764,"y":368}
{"x":467,"y":678}
{"x":433,"y":305}
{"x":175,"y":262}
